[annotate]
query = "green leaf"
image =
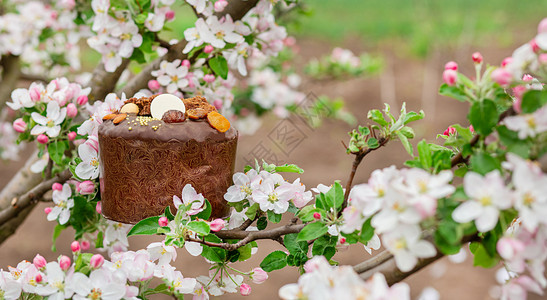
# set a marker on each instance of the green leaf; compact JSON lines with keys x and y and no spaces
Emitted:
{"x":413,"y":116}
{"x":289,"y":169}
{"x":168,"y":213}
{"x":251,"y":211}
{"x":307,"y":212}
{"x":219,"y":65}
{"x":138,"y":56}
{"x":245,"y":252}
{"x":56,"y":232}
{"x":206,"y":213}
{"x":321,"y":244}
{"x":335,"y":196}
{"x":200,"y":227}
{"x":453,"y":92}
{"x":367,"y":231}
{"x":377,"y":116}
{"x":214,"y":254}
{"x":405,"y":142}
{"x":293,"y":245}
{"x":408,"y":132}
{"x":484,"y":163}
{"x":56,"y":151}
{"x":148,"y":226}
{"x":481,"y":256}
{"x":274,"y":261}
{"x":532,"y":100}
{"x":424,"y":154}
{"x":99,"y":240}
{"x":312,"y":231}
{"x":483,"y":116}
{"x":160,"y":289}
{"x":262,"y":223}
{"x":372,"y":143}
{"x":463,"y":132}
{"x":273,"y":217}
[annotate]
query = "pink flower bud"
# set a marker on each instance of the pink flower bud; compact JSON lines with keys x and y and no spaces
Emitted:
{"x":543,"y":58}
{"x":450,"y":76}
{"x":57,"y":186}
{"x":217,"y":225}
{"x":245,"y":289}
{"x":82,"y":100}
{"x":86,"y":187}
{"x":75,"y":246}
{"x":477,"y":57}
{"x":208,"y":49}
{"x":289,"y":41}
{"x":163,"y":221}
{"x":209,"y":78}
{"x":38,"y":278}
{"x":47,"y":210}
{"x":220,"y":5}
{"x":506,"y":61}
{"x":534,"y":46}
{"x":502,"y":76}
{"x":19,"y":125}
{"x":258,"y":275}
{"x":71,"y":135}
{"x":85,"y":245}
{"x":186,"y":63}
{"x":169,"y":15}
{"x":99,"y":207}
{"x":34,"y":94}
{"x":471,"y":129}
{"x":451,"y":65}
{"x":64,"y":262}
{"x":509,"y":247}
{"x":316,"y":215}
{"x":449,"y":131}
{"x":342,"y":240}
{"x":42,"y":139}
{"x":527,"y":77}
{"x":71,"y":110}
{"x":39,"y":261}
{"x":542,"y":27}
{"x":218,"y":104}
{"x":96,"y":261}
{"x":153,"y":85}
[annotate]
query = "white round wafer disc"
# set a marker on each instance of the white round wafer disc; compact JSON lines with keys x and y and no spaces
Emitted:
{"x":165,"y":102}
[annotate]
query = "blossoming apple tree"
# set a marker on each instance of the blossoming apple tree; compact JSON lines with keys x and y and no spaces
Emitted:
{"x":482,"y":187}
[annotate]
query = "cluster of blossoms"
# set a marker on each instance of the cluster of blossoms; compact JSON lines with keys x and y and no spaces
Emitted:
{"x":118,"y":34}
{"x":323,"y":281}
{"x":268,"y":191}
{"x":45,"y":37}
{"x":398,"y":201}
{"x":51,"y":107}
{"x":342,"y":62}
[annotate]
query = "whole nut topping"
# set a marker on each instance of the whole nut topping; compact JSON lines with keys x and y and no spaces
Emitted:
{"x":110,"y":117}
{"x":119,"y":118}
{"x":130,"y":108}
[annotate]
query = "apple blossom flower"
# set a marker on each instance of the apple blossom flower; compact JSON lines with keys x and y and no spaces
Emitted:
{"x":222,"y":32}
{"x":172,"y":75}
{"x":96,"y":261}
{"x":63,"y":204}
{"x":218,"y":283}
{"x":190,"y":197}
{"x":217,"y":225}
{"x":155,"y":21}
{"x":99,"y":284}
{"x":270,"y":195}
{"x":451,"y":65}
{"x":19,"y":125}
{"x":180,"y":284}
{"x":243,"y":186}
{"x":21,"y":98}
{"x":88,"y":152}
{"x":196,"y":36}
{"x":164,"y":254}
{"x":502,"y":76}
{"x":488,"y":195}
{"x":75,"y":246}
{"x":258,"y":275}
{"x":528,"y":125}
{"x":115,"y":234}
{"x":50,"y":124}
{"x":9,"y":287}
{"x":450,"y":76}
{"x":406,"y":246}
{"x":517,"y":288}
{"x":449,"y":131}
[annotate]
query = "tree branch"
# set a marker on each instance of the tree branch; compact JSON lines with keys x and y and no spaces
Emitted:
{"x":103,"y":82}
{"x":11,"y":71}
{"x":17,"y":204}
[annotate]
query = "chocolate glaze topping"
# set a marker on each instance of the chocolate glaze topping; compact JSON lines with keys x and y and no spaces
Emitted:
{"x":142,"y":167}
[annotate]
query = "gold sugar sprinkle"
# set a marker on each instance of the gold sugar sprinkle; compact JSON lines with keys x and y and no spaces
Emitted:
{"x":129,"y":128}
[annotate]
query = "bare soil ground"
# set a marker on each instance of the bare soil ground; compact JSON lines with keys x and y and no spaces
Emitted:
{"x":322,"y":156}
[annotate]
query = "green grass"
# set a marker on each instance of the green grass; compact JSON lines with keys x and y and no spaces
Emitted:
{"x":420,"y":24}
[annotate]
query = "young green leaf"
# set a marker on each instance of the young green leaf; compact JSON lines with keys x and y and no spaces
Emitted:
{"x":273,"y":217}
{"x":148,"y":226}
{"x":312,"y":231}
{"x":483,"y":116}
{"x":274,"y":261}
{"x":200,"y":227}
{"x":289,"y":169}
{"x":206,"y":213}
{"x":219,"y":65}
{"x":293,"y":245}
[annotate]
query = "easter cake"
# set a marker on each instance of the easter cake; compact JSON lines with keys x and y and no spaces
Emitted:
{"x":153,"y":146}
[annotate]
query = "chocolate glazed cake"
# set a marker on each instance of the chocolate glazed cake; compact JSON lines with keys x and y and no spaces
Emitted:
{"x":145,"y":161}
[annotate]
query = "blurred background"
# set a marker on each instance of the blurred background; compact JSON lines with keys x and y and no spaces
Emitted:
{"x":412,"y":39}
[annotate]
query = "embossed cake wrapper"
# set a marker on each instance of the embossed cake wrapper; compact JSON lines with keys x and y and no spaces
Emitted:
{"x":140,"y":177}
